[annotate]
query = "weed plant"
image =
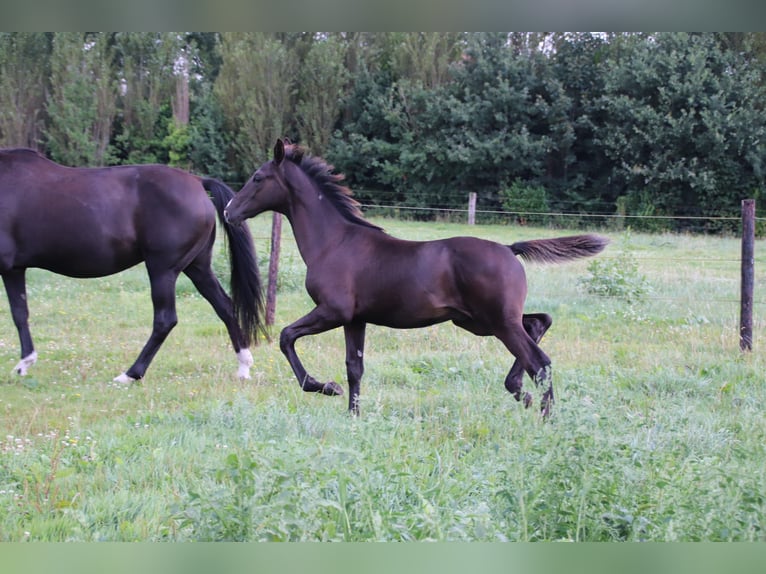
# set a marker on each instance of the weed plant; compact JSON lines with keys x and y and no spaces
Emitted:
{"x":617,"y":276}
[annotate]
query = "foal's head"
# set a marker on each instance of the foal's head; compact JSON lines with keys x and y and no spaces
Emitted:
{"x":266,"y":190}
{"x":271,"y":186}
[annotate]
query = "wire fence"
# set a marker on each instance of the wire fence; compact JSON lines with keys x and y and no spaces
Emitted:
{"x":551,"y":215}
{"x":730,"y":266}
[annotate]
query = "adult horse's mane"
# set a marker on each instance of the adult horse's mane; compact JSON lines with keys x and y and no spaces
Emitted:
{"x":322,"y":173}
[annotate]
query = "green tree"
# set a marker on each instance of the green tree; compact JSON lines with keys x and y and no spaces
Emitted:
{"x":83,"y":104}
{"x":490,"y":124}
{"x":147,"y":63}
{"x":208,"y":144}
{"x":684,"y":126}
{"x":425,"y":57}
{"x":24,"y":71}
{"x":498,"y":115}
{"x":388,"y":71}
{"x":579,"y":172}
{"x":254,"y":88}
{"x":322,"y":80}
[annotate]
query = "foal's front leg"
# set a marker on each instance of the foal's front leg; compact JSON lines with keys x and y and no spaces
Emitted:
{"x":354,"y":362}
{"x":315,"y":322}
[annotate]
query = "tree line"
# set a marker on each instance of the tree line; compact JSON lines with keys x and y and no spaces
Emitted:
{"x":660,"y":124}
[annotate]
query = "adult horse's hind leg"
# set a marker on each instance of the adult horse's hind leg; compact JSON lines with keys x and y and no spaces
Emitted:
{"x":536,"y":325}
{"x":15,"y":287}
{"x":163,"y":285}
{"x":201,"y":274}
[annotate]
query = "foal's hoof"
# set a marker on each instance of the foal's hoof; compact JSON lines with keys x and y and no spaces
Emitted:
{"x":332,"y":389}
{"x":527,"y":400}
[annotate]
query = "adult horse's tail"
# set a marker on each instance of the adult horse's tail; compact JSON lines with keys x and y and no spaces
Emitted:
{"x":559,"y":249}
{"x":246,"y":292}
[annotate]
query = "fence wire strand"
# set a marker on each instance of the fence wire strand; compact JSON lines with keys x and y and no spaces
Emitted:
{"x":370,"y":206}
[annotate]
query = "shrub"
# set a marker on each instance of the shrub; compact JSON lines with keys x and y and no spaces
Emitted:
{"x":617,"y":277}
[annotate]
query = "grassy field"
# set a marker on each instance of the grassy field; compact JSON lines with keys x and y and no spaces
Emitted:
{"x":658,"y":431}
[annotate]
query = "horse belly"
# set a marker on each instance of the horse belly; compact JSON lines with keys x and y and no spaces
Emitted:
{"x":408,"y":309}
{"x":77,"y":255}
{"x":405,"y":321}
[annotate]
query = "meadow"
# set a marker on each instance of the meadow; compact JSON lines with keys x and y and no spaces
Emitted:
{"x":658,"y":432}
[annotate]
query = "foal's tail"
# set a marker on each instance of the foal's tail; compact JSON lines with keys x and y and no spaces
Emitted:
{"x":559,"y":249}
{"x":246,"y":292}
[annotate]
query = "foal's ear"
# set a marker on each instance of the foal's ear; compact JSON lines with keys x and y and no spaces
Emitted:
{"x":279,"y":152}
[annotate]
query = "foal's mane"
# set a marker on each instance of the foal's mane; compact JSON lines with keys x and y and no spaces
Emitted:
{"x":330,"y":184}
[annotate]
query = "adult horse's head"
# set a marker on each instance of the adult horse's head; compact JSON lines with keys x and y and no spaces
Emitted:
{"x":266,"y":190}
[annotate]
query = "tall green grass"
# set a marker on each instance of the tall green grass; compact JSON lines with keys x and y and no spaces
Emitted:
{"x":657,"y":434}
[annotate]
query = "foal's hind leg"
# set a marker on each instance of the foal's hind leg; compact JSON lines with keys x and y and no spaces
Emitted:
{"x":531,"y":358}
{"x":536,"y":325}
{"x":210,"y":288}
{"x":15,"y":287}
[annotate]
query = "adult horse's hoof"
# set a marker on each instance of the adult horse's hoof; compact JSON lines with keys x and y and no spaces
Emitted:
{"x":25,"y":363}
{"x":332,"y":389}
{"x":123,"y":379}
{"x":245,"y":359}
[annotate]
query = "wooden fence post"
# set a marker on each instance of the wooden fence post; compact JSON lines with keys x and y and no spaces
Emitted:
{"x":748,"y":275}
{"x":472,"y":208}
{"x":271,"y":289}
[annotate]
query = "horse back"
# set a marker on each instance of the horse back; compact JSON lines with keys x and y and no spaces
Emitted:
{"x":33,"y":186}
{"x":87,"y":222}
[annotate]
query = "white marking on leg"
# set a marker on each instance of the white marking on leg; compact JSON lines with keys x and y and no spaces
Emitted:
{"x":25,"y":363}
{"x":245,"y":358}
{"x":124,"y":379}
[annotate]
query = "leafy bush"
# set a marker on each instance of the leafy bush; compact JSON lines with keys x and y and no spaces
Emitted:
{"x":617,"y":277}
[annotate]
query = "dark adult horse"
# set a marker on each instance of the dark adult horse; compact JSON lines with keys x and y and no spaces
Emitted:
{"x":92,"y":222}
{"x":357,"y":274}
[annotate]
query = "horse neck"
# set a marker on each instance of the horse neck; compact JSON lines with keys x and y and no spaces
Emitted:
{"x":317,"y":225}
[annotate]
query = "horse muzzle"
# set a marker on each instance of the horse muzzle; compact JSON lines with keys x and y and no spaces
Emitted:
{"x":231,"y":219}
